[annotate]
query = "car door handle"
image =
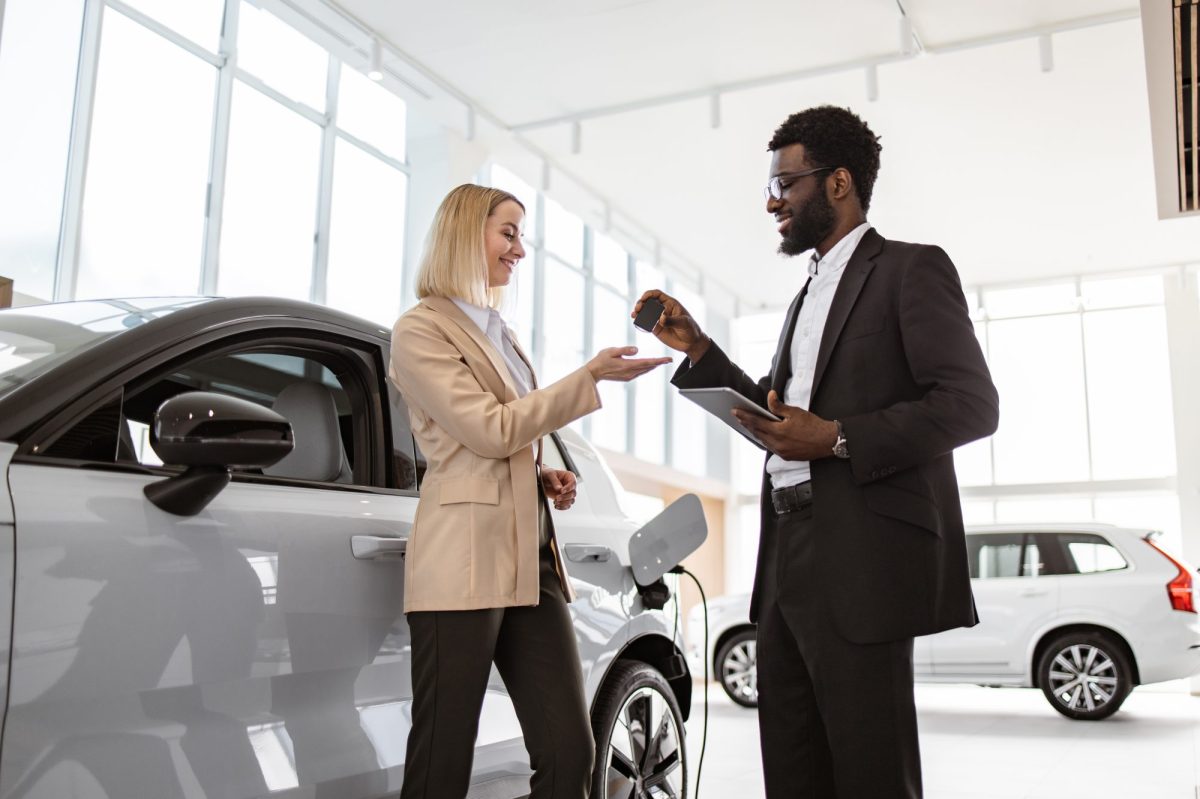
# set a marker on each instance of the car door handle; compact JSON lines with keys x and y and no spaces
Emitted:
{"x":377,"y":547}
{"x":1035,"y":591}
{"x":587,"y":553}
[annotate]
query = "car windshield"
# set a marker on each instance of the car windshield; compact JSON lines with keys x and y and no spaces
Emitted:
{"x":35,"y":338}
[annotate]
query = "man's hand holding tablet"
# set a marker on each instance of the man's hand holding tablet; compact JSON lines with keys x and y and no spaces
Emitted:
{"x":798,"y":436}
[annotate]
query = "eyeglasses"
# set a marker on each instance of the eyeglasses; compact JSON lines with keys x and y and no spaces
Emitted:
{"x":774,"y":189}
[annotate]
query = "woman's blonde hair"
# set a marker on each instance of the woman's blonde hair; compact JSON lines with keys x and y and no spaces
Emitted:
{"x":454,"y":264}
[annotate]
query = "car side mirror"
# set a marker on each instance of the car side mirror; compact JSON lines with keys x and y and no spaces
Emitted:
{"x":210,"y":433}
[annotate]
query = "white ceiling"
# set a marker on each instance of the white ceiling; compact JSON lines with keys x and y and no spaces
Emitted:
{"x":1017,"y":172}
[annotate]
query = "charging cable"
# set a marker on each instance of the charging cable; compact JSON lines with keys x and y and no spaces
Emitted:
{"x":678,"y":613}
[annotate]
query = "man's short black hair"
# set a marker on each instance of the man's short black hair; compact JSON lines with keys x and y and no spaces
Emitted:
{"x":834,"y":137}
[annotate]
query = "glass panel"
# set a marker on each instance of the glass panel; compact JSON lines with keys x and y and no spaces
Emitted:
{"x":368,"y":111}
{"x":1037,"y":365}
{"x":564,"y":233}
{"x":38,"y":57}
{"x":366,"y":236}
{"x":978,"y":511}
{"x":504,"y":179}
{"x":689,"y":424}
{"x":610,"y":263}
{"x":1043,"y":510}
{"x":1123,"y":292}
{"x":270,"y":199}
{"x":1144,"y":512}
{"x":1090,"y":554}
{"x":142,"y":231}
{"x":995,"y":555}
{"x":973,"y":463}
{"x":610,"y":330}
{"x":282,"y":57}
{"x":647,"y":277}
{"x":404,"y":462}
{"x":563,"y":335}
{"x":198,"y":20}
{"x":1030,"y":300}
{"x":650,"y":406}
{"x":1127,"y":361}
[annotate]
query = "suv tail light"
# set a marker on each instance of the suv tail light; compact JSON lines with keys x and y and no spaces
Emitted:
{"x":1180,"y":588}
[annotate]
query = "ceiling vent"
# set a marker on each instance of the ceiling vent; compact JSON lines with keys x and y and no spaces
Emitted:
{"x":1172,"y":43}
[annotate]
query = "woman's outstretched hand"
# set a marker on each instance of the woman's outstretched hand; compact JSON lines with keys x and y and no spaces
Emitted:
{"x":614,"y":363}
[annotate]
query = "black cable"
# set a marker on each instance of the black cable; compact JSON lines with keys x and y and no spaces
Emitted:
{"x":704,"y":735}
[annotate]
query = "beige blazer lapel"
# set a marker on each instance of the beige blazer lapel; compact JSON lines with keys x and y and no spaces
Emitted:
{"x":448,"y":309}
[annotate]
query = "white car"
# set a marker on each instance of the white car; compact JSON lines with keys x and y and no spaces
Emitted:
{"x":1083,"y":611}
{"x":228,"y":623}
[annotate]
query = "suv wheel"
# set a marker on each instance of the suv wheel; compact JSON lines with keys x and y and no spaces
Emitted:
{"x":1085,"y":675}
{"x":737,"y":667}
{"x":639,"y":736}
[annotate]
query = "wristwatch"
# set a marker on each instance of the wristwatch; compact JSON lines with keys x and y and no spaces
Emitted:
{"x":840,"y":449}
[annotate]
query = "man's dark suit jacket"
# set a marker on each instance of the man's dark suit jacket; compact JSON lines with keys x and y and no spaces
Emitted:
{"x":900,"y":367}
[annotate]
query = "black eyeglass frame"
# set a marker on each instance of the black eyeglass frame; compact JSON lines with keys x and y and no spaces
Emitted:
{"x":777,"y":181}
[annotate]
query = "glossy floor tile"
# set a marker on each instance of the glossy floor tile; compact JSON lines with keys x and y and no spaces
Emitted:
{"x":983,"y":743}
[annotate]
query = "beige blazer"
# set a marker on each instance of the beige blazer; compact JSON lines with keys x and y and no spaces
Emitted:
{"x":474,"y":542}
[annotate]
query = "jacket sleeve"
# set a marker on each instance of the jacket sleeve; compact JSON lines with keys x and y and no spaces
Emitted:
{"x":716,"y":370}
{"x":431,"y":374}
{"x":958,"y":403}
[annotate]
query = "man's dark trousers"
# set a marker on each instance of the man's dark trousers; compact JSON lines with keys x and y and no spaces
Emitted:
{"x":836,"y":719}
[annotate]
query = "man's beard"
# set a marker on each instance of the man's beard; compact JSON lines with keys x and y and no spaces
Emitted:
{"x":810,"y":225}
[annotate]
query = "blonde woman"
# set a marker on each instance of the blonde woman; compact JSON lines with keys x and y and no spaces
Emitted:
{"x":484,"y":578}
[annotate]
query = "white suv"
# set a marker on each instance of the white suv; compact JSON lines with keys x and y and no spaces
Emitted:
{"x":1084,"y":611}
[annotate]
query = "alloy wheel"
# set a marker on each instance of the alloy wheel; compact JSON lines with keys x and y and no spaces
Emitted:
{"x":739,"y":671}
{"x":1083,"y":677}
{"x":644,"y":757}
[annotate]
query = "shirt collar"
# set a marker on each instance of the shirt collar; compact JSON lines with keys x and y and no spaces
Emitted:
{"x":839,"y":254}
{"x":476,"y":313}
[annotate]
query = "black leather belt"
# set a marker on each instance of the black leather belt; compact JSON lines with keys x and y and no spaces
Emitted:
{"x":792,"y":498}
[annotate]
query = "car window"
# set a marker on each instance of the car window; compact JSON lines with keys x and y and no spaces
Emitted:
{"x":1087,"y":553}
{"x":408,"y":464}
{"x":318,"y":392}
{"x":298,"y":386}
{"x":996,"y":555}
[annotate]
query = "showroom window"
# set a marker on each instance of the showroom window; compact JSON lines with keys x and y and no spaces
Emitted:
{"x":39,"y":55}
{"x":142,"y":223}
{"x":1091,"y":344}
{"x":205,"y":147}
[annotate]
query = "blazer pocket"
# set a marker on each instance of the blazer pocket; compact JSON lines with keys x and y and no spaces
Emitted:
{"x":896,"y":503}
{"x":862,"y":331}
{"x":483,"y":490}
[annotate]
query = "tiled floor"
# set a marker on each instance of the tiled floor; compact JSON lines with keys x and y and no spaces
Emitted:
{"x":981,"y":743}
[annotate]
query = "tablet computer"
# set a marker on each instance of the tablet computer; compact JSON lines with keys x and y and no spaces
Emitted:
{"x":721,"y":401}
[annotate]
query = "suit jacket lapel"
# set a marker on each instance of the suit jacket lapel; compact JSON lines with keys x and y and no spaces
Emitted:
{"x":781,"y":363}
{"x":447,"y":308}
{"x":860,"y":265}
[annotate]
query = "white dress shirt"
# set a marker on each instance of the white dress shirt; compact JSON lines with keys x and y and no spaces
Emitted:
{"x":489,"y":321}
{"x":825,"y":273}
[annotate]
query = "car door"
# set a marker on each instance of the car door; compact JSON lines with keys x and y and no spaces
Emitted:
{"x":244,"y":651}
{"x":1016,"y":593}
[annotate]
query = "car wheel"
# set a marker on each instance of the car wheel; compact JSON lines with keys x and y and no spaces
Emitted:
{"x":1085,"y":675}
{"x":639,"y":736}
{"x":737,"y":667}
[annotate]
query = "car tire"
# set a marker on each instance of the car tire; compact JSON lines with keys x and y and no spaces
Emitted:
{"x":635,"y":698}
{"x":737,"y":667}
{"x":1085,"y":675}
